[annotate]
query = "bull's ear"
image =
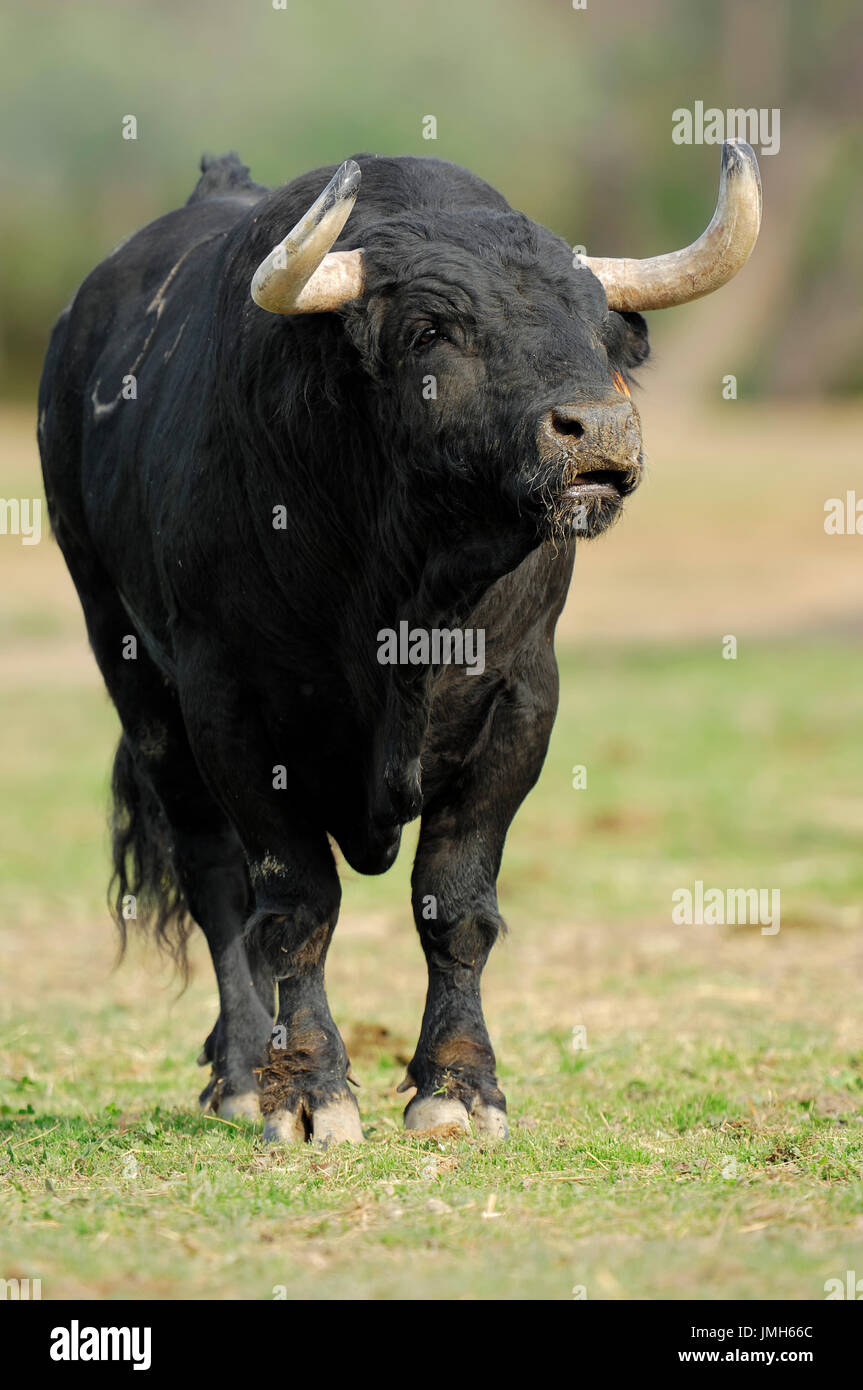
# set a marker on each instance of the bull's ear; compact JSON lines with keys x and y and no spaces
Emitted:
{"x":363,"y":325}
{"x":635,"y":348}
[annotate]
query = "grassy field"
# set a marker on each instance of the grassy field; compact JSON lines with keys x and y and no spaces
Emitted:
{"x":708,"y":1140}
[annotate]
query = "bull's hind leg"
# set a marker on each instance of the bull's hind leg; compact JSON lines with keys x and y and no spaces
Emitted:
{"x":213,"y":872}
{"x":174,"y":848}
{"x":455,"y":907}
{"x":172,"y":830}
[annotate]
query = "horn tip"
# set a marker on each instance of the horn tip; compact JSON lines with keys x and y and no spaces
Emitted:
{"x":348,"y":177}
{"x":739,"y":161}
{"x":738,"y":156}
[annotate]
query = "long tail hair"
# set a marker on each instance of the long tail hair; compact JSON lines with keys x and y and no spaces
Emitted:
{"x":144,"y":887}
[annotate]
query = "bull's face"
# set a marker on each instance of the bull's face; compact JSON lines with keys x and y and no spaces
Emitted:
{"x":501,"y":373}
{"x":497,"y":366}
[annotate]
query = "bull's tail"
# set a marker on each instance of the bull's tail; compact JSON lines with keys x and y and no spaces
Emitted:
{"x":144,"y":888}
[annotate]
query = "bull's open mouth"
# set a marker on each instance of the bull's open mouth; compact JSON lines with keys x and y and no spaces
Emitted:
{"x":612,"y":484}
{"x":592,"y":500}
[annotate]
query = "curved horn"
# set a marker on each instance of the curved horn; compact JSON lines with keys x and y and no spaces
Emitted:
{"x":711,"y":261}
{"x":301,"y":275}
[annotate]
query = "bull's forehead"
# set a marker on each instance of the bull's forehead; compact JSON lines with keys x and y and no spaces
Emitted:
{"x":484,"y":260}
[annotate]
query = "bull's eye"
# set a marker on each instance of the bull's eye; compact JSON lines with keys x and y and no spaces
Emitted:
{"x":426,"y":336}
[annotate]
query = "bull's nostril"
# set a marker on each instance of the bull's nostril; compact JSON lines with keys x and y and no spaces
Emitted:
{"x":562,"y":424}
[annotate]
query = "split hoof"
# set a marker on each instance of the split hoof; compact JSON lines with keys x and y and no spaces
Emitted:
{"x":336,"y":1122}
{"x":285,"y":1127}
{"x":229,"y":1105}
{"x":436,"y":1112}
{"x":489,"y":1121}
{"x":430,"y":1112}
{"x":244,"y":1105}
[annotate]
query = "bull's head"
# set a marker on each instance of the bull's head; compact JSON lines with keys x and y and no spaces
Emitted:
{"x":530,"y":350}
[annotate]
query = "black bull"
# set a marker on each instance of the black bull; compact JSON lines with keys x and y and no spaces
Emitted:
{"x":248,"y":503}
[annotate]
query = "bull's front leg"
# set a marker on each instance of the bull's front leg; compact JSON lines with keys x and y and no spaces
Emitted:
{"x":465,"y":820}
{"x":455,"y":907}
{"x":304,"y":1085}
{"x":295,"y":895}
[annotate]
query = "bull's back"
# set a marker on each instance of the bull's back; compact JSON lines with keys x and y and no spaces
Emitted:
{"x":112,"y":348}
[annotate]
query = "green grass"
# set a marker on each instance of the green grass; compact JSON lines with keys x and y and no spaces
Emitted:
{"x":707,"y":1143}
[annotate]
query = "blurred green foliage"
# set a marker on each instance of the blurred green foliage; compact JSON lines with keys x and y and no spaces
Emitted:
{"x":568,"y":112}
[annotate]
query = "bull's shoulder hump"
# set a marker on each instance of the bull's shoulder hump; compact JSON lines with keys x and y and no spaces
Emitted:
{"x":226,"y":176}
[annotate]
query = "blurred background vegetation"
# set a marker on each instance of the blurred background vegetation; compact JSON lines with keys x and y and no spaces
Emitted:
{"x":568,"y":112}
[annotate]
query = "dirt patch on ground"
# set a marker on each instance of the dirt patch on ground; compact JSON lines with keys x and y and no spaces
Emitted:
{"x":372,"y":1042}
{"x":449,"y":1131}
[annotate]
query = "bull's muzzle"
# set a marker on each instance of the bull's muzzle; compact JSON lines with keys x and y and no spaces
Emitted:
{"x":584,"y":439}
